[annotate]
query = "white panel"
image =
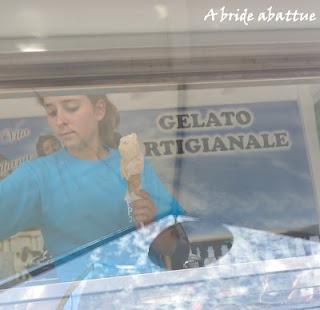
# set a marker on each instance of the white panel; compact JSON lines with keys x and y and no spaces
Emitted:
{"x":37,"y":18}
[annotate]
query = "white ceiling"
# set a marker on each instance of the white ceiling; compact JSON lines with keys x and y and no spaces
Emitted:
{"x":43,"y":18}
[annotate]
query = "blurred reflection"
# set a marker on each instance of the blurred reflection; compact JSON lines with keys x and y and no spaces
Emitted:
{"x":173,"y":247}
{"x":47,"y":144}
{"x":258,"y":268}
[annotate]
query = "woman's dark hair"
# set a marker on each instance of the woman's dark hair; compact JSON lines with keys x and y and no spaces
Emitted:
{"x":108,"y":125}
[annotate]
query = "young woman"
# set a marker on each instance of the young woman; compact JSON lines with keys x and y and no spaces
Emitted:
{"x":76,"y":195}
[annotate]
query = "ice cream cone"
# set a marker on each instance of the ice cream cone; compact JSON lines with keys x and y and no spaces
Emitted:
{"x":134,"y":183}
{"x":132,"y":162}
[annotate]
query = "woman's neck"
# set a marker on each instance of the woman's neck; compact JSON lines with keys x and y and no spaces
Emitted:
{"x":88,"y":153}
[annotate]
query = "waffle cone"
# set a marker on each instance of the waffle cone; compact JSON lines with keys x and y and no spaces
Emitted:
{"x":134,"y":183}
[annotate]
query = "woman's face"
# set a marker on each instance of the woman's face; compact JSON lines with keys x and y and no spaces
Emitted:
{"x":74,"y":120}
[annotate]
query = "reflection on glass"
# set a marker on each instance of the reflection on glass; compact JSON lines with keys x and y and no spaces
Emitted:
{"x":240,"y":168}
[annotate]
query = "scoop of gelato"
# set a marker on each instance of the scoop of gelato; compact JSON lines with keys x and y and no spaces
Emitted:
{"x":132,"y":159}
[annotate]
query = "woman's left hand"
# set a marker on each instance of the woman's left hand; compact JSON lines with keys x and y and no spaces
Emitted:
{"x":144,"y":210}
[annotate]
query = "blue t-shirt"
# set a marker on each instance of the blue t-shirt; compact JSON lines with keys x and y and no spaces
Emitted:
{"x":74,"y":201}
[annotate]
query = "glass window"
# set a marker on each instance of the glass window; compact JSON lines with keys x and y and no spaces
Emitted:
{"x":129,"y":192}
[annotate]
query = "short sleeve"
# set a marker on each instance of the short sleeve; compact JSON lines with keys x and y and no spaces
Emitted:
{"x":165,"y":202}
{"x":19,"y":201}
